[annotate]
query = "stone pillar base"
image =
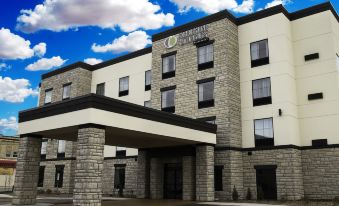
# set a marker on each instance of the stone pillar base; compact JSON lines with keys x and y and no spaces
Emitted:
{"x":27,"y":171}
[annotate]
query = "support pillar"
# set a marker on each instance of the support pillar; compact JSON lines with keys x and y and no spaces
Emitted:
{"x":156,"y":179}
{"x":205,"y":173}
{"x":27,"y":171}
{"x":188,"y":166}
{"x":143,"y":181}
{"x":89,"y":166}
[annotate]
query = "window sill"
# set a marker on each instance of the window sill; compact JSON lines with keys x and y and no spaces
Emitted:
{"x":260,"y":62}
{"x":148,"y":87}
{"x":123,"y":93}
{"x":168,"y":109}
{"x":262,"y":101}
{"x":206,"y":104}
{"x":206,"y":65}
{"x":168,"y":75}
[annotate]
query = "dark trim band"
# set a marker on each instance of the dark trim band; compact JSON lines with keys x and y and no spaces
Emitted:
{"x":169,"y":54}
{"x":253,"y":149}
{"x":168,"y":88}
{"x":116,"y":106}
{"x":205,"y":80}
{"x":272,"y":167}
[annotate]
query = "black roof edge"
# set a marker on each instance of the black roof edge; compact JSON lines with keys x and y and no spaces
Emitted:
{"x":67,"y":68}
{"x":100,"y":65}
{"x":249,"y":18}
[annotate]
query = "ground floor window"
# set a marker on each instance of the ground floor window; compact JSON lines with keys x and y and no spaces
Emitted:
{"x":41,"y":176}
{"x":119,"y":176}
{"x":218,"y":186}
{"x":59,"y":176}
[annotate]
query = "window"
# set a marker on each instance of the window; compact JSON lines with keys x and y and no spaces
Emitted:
{"x":8,"y":154}
{"x":168,"y":66}
{"x":261,"y":92}
{"x":43,"y":149}
{"x":48,"y":96}
{"x":100,"y":89}
{"x":61,"y":148}
{"x":41,"y":176}
{"x":205,"y":57}
{"x":147,"y":103}
{"x":119,"y":176}
{"x":66,"y":92}
{"x":15,"y":154}
{"x":218,"y":186}
{"x":59,"y":176}
{"x":167,"y":100}
{"x":120,"y":152}
{"x":263,"y":132}
{"x":123,"y":86}
{"x":148,"y":80}
{"x":206,"y":93}
{"x":259,"y":53}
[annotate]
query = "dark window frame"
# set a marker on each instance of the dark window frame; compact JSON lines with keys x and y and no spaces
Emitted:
{"x":124,"y":92}
{"x":261,"y":61}
{"x":172,"y":108}
{"x":59,"y":169}
{"x":206,"y":103}
{"x":267,"y":142}
{"x":218,"y":177}
{"x":148,"y":86}
{"x":48,"y":90}
{"x":122,"y":176}
{"x":264,"y":100}
{"x":169,"y":74}
{"x":103,"y":89}
{"x":63,"y":90}
{"x":41,"y":177}
{"x":205,"y":65}
{"x":312,"y":56}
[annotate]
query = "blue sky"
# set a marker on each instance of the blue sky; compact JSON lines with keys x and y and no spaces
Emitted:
{"x":38,"y":36}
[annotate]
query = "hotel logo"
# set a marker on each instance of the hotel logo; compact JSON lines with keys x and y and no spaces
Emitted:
{"x":170,"y":42}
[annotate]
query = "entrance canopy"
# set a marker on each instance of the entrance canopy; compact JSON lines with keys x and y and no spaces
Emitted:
{"x":127,"y":125}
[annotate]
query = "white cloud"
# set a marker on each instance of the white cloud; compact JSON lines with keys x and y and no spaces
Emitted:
{"x":92,"y":61}
{"x":213,"y":6}
{"x":40,"y":49}
{"x":15,"y":90}
{"x":13,"y":46}
{"x":46,"y":64}
{"x":59,"y":15}
{"x":277,"y":2}
{"x":4,"y":66}
{"x":132,"y":42}
{"x":6,"y":124}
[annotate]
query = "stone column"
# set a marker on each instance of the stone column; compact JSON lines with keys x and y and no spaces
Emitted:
{"x":156,"y":179}
{"x":27,"y":171}
{"x":205,"y":173}
{"x":89,"y":165}
{"x":143,"y":181}
{"x":188,"y":166}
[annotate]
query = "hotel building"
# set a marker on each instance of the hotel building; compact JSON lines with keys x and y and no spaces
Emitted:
{"x":218,"y":105}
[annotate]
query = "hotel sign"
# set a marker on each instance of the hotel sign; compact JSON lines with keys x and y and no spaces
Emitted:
{"x":193,"y":35}
{"x":186,"y":37}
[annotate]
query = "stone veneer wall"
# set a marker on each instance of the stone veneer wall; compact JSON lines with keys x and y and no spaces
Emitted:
{"x":321,"y":173}
{"x":289,"y":171}
{"x":227,"y":107}
{"x":130,"y":176}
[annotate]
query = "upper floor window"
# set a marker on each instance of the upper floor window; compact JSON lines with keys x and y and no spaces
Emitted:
{"x":259,"y":53}
{"x":206,"y":93}
{"x":100,"y":89}
{"x":263,"y":132}
{"x":123,"y":86}
{"x":43,"y":149}
{"x":66,"y":92}
{"x":167,"y":100}
{"x":261,"y":92}
{"x":147,"y":103}
{"x":205,"y":56}
{"x":148,"y":80}
{"x":61,"y":148}
{"x":48,"y":96}
{"x":168,"y":65}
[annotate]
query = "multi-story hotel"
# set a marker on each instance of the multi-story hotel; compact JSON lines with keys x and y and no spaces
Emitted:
{"x":218,"y":105}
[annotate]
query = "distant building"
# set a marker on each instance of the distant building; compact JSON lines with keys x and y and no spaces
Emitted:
{"x":8,"y":154}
